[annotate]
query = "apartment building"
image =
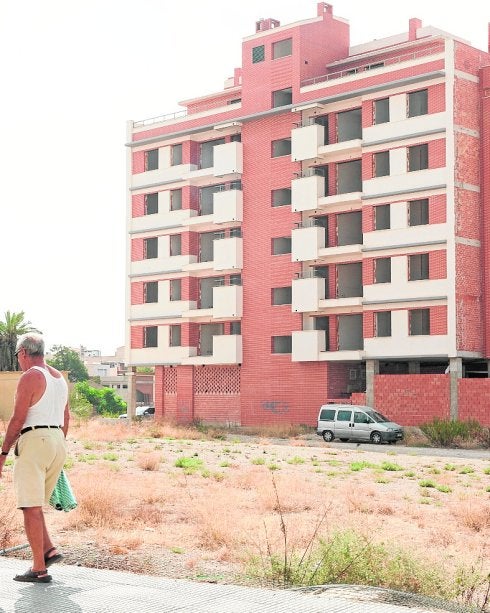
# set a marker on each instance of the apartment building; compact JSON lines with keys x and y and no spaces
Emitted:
{"x":318,"y":230}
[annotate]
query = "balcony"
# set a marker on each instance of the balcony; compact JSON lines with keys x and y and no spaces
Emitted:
{"x":160,"y":176}
{"x":227,"y":349}
{"x":306,"y":243}
{"x":152,"y":356}
{"x":401,"y":345}
{"x":228,"y":253}
{"x":155,"y":310}
{"x":406,"y":128}
{"x":340,"y":202}
{"x":341,"y":253}
{"x":175,"y":263}
{"x":306,"y":192}
{"x":227,"y":303}
{"x":407,"y":182}
{"x":306,"y":294}
{"x":228,"y":206}
{"x":309,"y":346}
{"x":170,"y":219}
{"x":227,"y":162}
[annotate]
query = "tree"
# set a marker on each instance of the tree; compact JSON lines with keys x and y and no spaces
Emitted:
{"x":13,"y":326}
{"x":104,"y":401}
{"x":68,"y":359}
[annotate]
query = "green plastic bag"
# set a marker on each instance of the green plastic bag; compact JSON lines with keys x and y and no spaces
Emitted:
{"x":62,"y":498}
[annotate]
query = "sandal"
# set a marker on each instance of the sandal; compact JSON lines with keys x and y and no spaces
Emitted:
{"x":34,"y":576}
{"x":48,"y":560}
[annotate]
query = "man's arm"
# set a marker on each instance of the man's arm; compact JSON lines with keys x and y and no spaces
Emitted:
{"x":66,"y":419}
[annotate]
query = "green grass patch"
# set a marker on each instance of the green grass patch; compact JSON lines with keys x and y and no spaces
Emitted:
{"x":450,"y":467}
{"x":445,"y":489}
{"x":296,"y":460}
{"x":391,"y":467}
{"x":427,"y":483}
{"x":466,"y":470}
{"x":110,"y":457}
{"x":188,"y":464}
{"x":258,"y":461}
{"x":361,"y":465}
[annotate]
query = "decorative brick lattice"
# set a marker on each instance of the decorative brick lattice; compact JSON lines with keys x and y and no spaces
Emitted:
{"x":217,"y":380}
{"x":170,"y":380}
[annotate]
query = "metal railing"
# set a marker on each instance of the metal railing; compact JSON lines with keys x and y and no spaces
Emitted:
{"x":437,"y":47}
{"x":152,"y":120}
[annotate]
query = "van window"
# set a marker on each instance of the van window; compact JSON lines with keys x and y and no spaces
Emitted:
{"x":344,"y":415}
{"x":377,"y":417}
{"x":361,"y":418}
{"x":327,"y":414}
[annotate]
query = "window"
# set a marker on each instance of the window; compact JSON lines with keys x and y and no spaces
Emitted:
{"x":176,"y":200}
{"x":418,"y":157}
{"x":281,"y":245}
{"x":236,"y":138}
{"x":235,"y":328}
{"x":235,"y":101}
{"x":382,"y":270}
{"x":321,"y":323}
{"x":375,"y":65}
{"x":206,"y":247}
{"x":150,"y":291}
{"x":151,"y":159}
{"x":418,"y":103}
{"x":175,"y":289}
{"x":258,"y":54}
{"x":418,"y":212}
{"x":282,"y":48}
{"x":344,"y":415}
{"x":281,"y":147}
{"x":282,"y":295}
{"x":176,"y":155}
{"x":381,"y":111}
{"x":327,"y":415}
{"x":349,"y":228}
{"x":382,"y":217}
{"x":175,"y":336}
{"x":235,"y":279}
{"x":150,"y":336}
{"x":206,"y":294}
{"x":176,"y":244}
{"x":282,"y":97}
{"x":206,"y":198}
{"x":150,"y":248}
{"x":207,"y":152}
{"x":383,"y":323}
{"x":282,"y":344}
{"x":382,"y":164}
{"x":419,"y":322}
{"x":281,"y":197}
{"x":235,"y":232}
{"x":349,"y":125}
{"x":418,"y":267}
{"x":151,"y":204}
{"x":349,"y":177}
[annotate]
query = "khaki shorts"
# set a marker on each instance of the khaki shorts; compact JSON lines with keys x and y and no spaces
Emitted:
{"x":40,"y":455}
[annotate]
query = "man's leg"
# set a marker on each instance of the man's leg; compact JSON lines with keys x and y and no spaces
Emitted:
{"x":35,"y":528}
{"x":48,"y":543}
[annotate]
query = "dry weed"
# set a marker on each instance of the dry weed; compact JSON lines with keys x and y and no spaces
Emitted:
{"x":474,"y":515}
{"x":149,"y":461}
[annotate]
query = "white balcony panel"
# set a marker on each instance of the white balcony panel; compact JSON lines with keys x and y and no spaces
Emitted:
{"x":352,"y":355}
{"x":305,"y":142}
{"x":344,"y":305}
{"x":307,"y":345}
{"x":401,"y":289}
{"x":160,"y":355}
{"x":228,"y":159}
{"x":306,"y":294}
{"x":345,"y":150}
{"x":228,"y":206}
{"x":305,"y":193}
{"x":200,"y":176}
{"x":171,"y":219}
{"x":228,"y":253}
{"x":199,"y":267}
{"x":306,"y":242}
{"x":414,"y":235}
{"x":401,"y":344}
{"x":342,"y":253}
{"x":153,"y":310}
{"x":202,"y":314}
{"x":160,"y":175}
{"x":227,"y":349}
{"x":340,"y":201}
{"x":227,"y":301}
{"x":201,"y":222}
{"x":405,"y":183}
{"x":393,"y":130}
{"x":156,"y":265}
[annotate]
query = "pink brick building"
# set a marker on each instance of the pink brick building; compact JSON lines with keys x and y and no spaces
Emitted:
{"x":319,"y":230}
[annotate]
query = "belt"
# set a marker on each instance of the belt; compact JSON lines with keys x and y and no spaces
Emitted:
{"x":24,"y":430}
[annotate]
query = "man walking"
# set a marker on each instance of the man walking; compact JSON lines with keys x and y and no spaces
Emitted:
{"x":38,"y":426}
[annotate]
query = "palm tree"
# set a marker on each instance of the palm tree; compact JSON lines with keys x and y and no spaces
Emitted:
{"x":13,"y":326}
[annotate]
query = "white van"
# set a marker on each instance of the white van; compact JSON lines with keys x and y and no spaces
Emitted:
{"x":348,"y":421}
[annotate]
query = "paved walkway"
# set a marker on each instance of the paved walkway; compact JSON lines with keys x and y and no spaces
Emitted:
{"x":76,"y":589}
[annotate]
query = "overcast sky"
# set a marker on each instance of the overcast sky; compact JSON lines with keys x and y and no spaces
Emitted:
{"x":73,"y":73}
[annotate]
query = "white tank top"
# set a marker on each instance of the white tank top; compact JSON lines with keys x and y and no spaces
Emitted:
{"x":49,"y":409}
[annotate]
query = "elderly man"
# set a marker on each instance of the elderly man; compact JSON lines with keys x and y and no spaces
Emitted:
{"x":38,"y":427}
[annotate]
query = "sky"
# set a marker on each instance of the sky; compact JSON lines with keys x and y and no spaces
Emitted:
{"x":72,"y":74}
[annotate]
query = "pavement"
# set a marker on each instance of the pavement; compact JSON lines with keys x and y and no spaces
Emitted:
{"x":77,"y":589}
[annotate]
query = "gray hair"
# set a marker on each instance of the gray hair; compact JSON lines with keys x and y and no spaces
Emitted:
{"x":33,"y":344}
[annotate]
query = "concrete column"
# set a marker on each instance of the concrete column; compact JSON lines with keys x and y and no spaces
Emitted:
{"x":414,"y":368}
{"x":131,"y":410}
{"x":372,"y":369}
{"x":455,"y":373}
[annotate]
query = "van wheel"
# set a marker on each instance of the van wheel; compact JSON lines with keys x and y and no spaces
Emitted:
{"x":328,"y":436}
{"x":376,"y":438}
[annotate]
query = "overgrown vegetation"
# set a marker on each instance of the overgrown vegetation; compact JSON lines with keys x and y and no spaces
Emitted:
{"x":104,"y":401}
{"x":451,"y":433}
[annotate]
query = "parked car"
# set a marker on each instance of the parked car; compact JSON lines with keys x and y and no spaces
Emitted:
{"x":361,"y":423}
{"x":142,"y":412}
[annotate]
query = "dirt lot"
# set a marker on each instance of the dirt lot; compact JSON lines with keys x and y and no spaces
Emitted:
{"x":154,"y":500}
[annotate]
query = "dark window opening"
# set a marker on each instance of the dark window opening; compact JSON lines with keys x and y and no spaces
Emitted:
{"x":176,"y":155}
{"x":258,"y":54}
{"x":419,"y":322}
{"x":382,"y":270}
{"x":150,"y":248}
{"x":381,"y":111}
{"x":150,"y":291}
{"x":151,"y":204}
{"x":418,"y":212}
{"x":382,"y":217}
{"x":418,"y":103}
{"x":150,"y":336}
{"x":418,"y":157}
{"x":151,"y":159}
{"x":383,"y":323}
{"x":282,"y":97}
{"x":282,"y":344}
{"x":382,"y":164}
{"x":418,"y":267}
